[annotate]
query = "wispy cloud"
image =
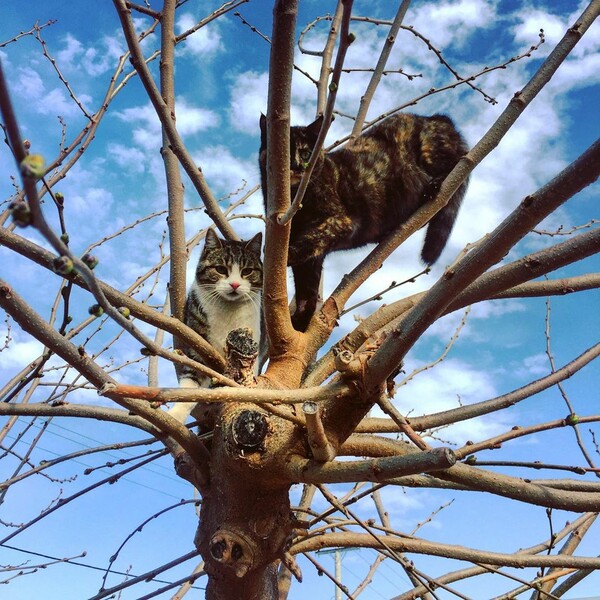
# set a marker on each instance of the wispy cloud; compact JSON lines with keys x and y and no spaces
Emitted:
{"x":133,"y":160}
{"x":145,"y":124}
{"x":225,"y":171}
{"x":94,"y":59}
{"x":21,"y":351}
{"x":55,"y":101}
{"x":448,"y":385}
{"x":248,"y":99}
{"x":454,"y":21}
{"x":204,"y":43}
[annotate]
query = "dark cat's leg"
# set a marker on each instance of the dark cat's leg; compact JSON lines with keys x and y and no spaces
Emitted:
{"x":314,"y":239}
{"x":307,"y":276}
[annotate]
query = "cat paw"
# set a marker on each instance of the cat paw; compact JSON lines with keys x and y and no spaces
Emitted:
{"x":301,"y":319}
{"x":180,"y":411}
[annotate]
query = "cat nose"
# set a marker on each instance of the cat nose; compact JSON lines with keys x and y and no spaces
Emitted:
{"x":234,"y":285}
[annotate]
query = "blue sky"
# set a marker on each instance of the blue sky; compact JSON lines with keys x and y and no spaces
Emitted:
{"x":221,"y":82}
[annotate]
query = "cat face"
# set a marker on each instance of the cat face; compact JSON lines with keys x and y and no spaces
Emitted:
{"x":228,"y":270}
{"x":302,"y":142}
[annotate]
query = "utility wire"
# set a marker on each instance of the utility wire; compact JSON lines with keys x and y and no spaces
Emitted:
{"x":80,"y":564}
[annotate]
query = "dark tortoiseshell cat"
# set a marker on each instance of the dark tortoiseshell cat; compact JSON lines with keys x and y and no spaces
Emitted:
{"x":361,"y":192}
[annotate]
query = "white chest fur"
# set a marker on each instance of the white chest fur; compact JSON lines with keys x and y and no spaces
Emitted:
{"x":224,"y":316}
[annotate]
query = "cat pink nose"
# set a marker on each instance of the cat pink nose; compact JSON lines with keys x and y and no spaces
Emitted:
{"x":234,"y":285}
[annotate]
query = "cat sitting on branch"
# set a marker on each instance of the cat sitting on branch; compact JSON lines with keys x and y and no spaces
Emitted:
{"x":225,"y":295}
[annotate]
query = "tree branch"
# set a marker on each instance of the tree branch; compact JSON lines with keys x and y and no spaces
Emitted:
{"x":301,"y":470}
{"x":346,"y":540}
{"x":534,"y":208}
{"x":177,"y":246}
{"x":138,"y":309}
{"x":164,"y":114}
{"x":461,"y":171}
{"x":366,"y":99}
{"x":283,"y":339}
{"x":33,"y":324}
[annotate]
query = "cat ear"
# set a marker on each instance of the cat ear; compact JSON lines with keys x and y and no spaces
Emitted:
{"x":212,"y":241}
{"x":255,"y":244}
{"x":314,"y":128}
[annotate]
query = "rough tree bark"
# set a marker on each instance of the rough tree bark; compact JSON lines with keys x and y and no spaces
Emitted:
{"x":259,"y":436}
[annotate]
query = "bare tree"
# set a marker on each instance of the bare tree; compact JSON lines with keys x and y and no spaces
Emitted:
{"x":312,"y":403}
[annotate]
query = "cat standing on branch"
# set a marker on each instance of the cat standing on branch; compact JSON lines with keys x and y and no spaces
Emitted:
{"x":364,"y":191}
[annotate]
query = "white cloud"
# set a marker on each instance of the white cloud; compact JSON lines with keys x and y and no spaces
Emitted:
{"x":90,"y":205}
{"x":223,"y":170}
{"x":132,"y":160}
{"x":448,"y":385}
{"x":21,"y":351}
{"x":191,"y":119}
{"x":30,"y":83}
{"x":444,"y":328}
{"x":58,"y":102}
{"x":582,"y":66}
{"x":454,"y":21}
{"x":399,"y":503}
{"x":536,"y":365}
{"x":72,"y":50}
{"x":202,"y":43}
{"x":146,"y":125}
{"x":95,"y":59}
{"x":576,"y":74}
{"x":54,"y":102}
{"x":531,"y":20}
{"x":248,"y":100}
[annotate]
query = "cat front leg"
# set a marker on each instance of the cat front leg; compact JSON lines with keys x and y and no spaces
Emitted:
{"x":317,"y":239}
{"x":182,"y":410}
{"x":307,"y":276}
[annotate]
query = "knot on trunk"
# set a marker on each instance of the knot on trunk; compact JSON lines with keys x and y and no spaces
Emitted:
{"x":232,"y":550}
{"x":249,"y":429}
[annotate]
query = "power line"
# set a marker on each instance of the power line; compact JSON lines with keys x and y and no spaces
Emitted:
{"x":108,"y":453}
{"x":80,"y":564}
{"x":54,"y":425}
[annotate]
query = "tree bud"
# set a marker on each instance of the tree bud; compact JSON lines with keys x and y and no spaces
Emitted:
{"x":63,"y":265}
{"x":33,"y":165}
{"x":124,"y":311}
{"x":90,"y":260}
{"x":21,"y":213}
{"x":96,"y":310}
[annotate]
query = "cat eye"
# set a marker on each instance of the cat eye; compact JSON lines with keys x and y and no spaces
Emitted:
{"x":221,"y":270}
{"x":247,"y":271}
{"x":305,"y":155}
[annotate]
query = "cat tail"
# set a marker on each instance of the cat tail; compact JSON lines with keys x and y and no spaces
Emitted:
{"x":440,"y":227}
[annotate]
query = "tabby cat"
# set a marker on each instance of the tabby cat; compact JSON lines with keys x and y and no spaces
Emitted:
{"x":361,"y":192}
{"x":225,"y":295}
